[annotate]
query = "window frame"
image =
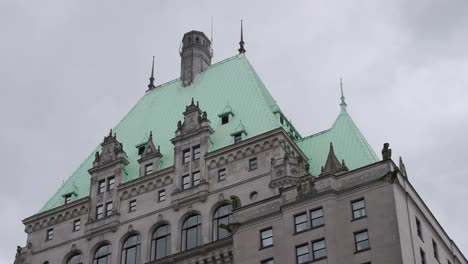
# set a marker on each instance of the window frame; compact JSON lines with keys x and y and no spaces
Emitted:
{"x":419,"y":231}
{"x":301,"y":223}
{"x":189,"y":183}
{"x":109,"y":208}
{"x":253,"y":164}
{"x":132,"y":204}
{"x":216,"y":222}
{"x":316,"y":250}
{"x":79,"y":255}
{"x":357,"y":242}
{"x":49,"y":234}
{"x":298,"y":256}
{"x":186,"y":156}
{"x":101,"y":186}
{"x":224,"y":119}
{"x":126,"y":248}
{"x":312,"y":226}
{"x":100,"y":211}
{"x":154,"y":242}
{"x":110,"y":183}
{"x":76,"y":227}
{"x":196,"y":155}
{"x":195,"y":182}
{"x":162,"y":198}
{"x":423,"y":256}
{"x":262,"y":239}
{"x":237,"y":137}
{"x":186,"y":229}
{"x":107,"y":256}
{"x":435,"y":249}
{"x":359,"y":209}
{"x":222,"y":174}
{"x":268,"y":261}
{"x":149,"y":168}
{"x":67,"y":198}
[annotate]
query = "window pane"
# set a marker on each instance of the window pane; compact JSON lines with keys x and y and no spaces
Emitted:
{"x":362,"y":245}
{"x":186,"y":182}
{"x":192,"y":237}
{"x":320,"y":254}
{"x":267,"y":233}
{"x":110,"y":183}
{"x":302,"y":254}
{"x":196,"y":178}
{"x":358,"y":204}
{"x":148,"y":168}
{"x":161,"y":245}
{"x":186,"y":156}
{"x":196,"y":152}
{"x":300,"y":222}
{"x":267,"y":241}
{"x":361,"y":236}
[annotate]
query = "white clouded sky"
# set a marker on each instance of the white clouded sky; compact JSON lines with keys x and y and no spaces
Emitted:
{"x":70,"y":70}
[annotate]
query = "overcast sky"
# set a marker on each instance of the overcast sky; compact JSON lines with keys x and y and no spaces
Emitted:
{"x":70,"y":70}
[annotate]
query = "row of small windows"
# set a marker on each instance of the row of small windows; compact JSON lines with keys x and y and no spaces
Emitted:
{"x":103,"y":186}
{"x":161,"y":239}
{"x":435,"y":247}
{"x":195,"y":153}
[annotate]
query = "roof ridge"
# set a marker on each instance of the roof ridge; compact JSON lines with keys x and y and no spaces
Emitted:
{"x":314,"y":135}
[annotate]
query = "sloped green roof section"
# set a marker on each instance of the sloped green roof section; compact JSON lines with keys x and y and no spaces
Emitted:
{"x":230,"y":82}
{"x":348,"y":142}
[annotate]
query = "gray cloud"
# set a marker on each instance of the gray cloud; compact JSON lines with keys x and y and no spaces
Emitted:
{"x":71,"y":70}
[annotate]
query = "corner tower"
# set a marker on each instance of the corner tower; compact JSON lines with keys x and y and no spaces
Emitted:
{"x":196,"y":54}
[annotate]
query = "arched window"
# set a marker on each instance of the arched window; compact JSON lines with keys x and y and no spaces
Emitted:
{"x":75,"y":259}
{"x":103,"y":255}
{"x":222,"y":216}
{"x":131,"y":250}
{"x":161,"y":242}
{"x":191,"y":232}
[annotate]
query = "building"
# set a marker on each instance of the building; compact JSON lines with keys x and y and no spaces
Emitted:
{"x":208,"y":169}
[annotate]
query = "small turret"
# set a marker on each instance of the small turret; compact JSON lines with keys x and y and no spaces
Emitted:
{"x":196,"y":55}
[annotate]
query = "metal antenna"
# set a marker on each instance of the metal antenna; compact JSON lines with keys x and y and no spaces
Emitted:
{"x":151,"y":84}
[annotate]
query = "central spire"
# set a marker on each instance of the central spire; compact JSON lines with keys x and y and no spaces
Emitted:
{"x":343,"y":103}
{"x":196,"y":56}
{"x":151,"y":84}
{"x":241,"y":43}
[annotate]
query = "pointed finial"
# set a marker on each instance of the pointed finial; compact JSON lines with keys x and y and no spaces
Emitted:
{"x":151,"y":84}
{"x":241,"y":43}
{"x":151,"y":134}
{"x":343,"y":103}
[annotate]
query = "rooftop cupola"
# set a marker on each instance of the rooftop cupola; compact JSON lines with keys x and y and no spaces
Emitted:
{"x":196,"y":54}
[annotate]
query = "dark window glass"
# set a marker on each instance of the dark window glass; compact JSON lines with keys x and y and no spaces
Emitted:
{"x":266,"y":237}
{"x":186,"y":156}
{"x":361,"y":240}
{"x":109,"y":207}
{"x":76,"y":225}
{"x":237,"y":137}
{"x":50,"y":234}
{"x":110,"y":183}
{"x":148,"y":168}
{"x":221,"y":174}
{"x":222,"y":216}
{"x":267,"y":261}
{"x":131,"y":250}
{"x":101,"y":186}
{"x":196,"y":178}
{"x":435,"y":249}
{"x":76,"y":259}
{"x":281,"y":120}
{"x":186,"y":183}
{"x":423,"y":256}
{"x":224,"y":119}
{"x":141,"y":150}
{"x":419,"y":228}
{"x":196,"y":152}
{"x":300,"y":222}
{"x":191,"y":232}
{"x":161,"y":242}
{"x":99,"y":211}
{"x":162,"y":195}
{"x":359,"y":209}
{"x":253,"y":164}
{"x":68,"y":198}
{"x":302,"y":254}
{"x":103,"y":255}
{"x":318,"y":249}
{"x":132,"y":206}
{"x":316,"y":217}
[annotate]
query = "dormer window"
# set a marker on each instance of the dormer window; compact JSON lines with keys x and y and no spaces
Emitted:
{"x":141,"y":150}
{"x":237,"y":137}
{"x":148,"y":168}
{"x":68,"y":198}
{"x":224,"y":119}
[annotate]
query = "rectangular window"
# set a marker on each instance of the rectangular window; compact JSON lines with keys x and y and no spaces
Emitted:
{"x":99,"y":211}
{"x":253,"y":164}
{"x":221,"y":174}
{"x":435,"y":249}
{"x":101,"y":186}
{"x":109,"y":206}
{"x":76,"y":225}
{"x":419,"y":228}
{"x":318,"y":249}
{"x":148,"y":168}
{"x":224,"y":119}
{"x":162,"y":195}
{"x":300,"y":222}
{"x":50,"y":234}
{"x":132,"y":206}
{"x":196,"y":178}
{"x":196,"y":152}
{"x":316,"y":217}
{"x":423,"y":256}
{"x":110,"y":183}
{"x":302,"y":254}
{"x":281,"y":120}
{"x":266,"y":236}
{"x":68,"y":198}
{"x":361,"y":240}
{"x":186,"y":156}
{"x":267,"y":261}
{"x":141,"y":150}
{"x":359,"y":208}
{"x":186,"y":182}
{"x":237,"y":137}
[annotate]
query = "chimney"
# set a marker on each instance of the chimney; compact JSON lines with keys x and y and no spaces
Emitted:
{"x":195,"y":56}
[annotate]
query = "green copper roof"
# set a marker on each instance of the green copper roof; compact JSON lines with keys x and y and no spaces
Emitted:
{"x":348,"y":142}
{"x":230,"y":85}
